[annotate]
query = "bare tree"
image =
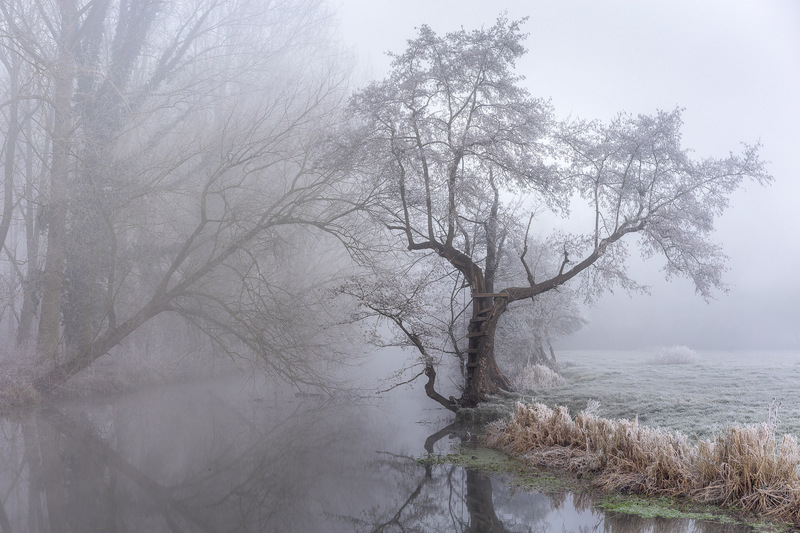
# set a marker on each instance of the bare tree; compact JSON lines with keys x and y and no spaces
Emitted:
{"x":185,"y":143}
{"x":457,"y":144}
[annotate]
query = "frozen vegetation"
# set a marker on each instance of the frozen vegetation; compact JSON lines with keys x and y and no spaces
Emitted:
{"x":535,"y":377}
{"x":714,"y":427}
{"x":674,"y":355}
{"x":721,"y":389}
{"x":743,"y":466}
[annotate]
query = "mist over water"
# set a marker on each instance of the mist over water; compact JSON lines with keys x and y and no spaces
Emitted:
{"x":239,"y":454}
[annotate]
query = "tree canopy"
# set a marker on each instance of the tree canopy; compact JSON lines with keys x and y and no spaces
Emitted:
{"x":464,"y":155}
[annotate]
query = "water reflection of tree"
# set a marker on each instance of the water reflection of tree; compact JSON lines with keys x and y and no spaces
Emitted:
{"x":106,"y":470}
{"x":202,"y":461}
{"x":443,"y":498}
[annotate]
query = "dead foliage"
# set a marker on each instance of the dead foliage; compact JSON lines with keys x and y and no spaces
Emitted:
{"x":744,"y":466}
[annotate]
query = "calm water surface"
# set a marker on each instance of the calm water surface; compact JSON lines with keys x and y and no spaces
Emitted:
{"x":228,"y":456}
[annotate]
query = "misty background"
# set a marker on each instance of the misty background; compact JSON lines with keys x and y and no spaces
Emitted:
{"x":733,"y":66}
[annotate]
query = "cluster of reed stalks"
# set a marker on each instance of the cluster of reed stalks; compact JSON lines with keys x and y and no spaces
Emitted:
{"x":744,"y":466}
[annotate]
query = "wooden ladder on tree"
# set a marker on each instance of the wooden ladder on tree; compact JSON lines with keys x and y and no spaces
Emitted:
{"x":474,"y":331}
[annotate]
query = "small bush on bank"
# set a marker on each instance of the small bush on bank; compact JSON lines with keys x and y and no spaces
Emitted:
{"x":535,"y":377}
{"x":675,"y":355}
{"x":744,"y":466}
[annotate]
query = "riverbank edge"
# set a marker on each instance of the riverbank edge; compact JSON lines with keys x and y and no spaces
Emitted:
{"x":552,"y":480}
{"x":543,"y":440}
{"x":17,"y":392}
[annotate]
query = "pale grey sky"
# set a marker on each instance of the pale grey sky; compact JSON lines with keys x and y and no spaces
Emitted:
{"x":735,"y":68}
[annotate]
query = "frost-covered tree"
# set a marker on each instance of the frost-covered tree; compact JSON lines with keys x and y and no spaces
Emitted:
{"x":456,"y":143}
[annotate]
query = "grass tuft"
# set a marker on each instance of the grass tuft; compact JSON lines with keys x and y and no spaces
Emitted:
{"x":744,"y":466}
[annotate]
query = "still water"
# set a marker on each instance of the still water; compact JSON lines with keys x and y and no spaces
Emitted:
{"x":228,"y":456}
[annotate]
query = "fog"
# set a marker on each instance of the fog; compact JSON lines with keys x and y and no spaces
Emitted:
{"x":239,"y":246}
{"x":733,"y":66}
{"x":227,"y":183}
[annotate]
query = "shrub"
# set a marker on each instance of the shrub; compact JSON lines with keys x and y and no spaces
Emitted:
{"x":675,"y":355}
{"x":534,"y":377}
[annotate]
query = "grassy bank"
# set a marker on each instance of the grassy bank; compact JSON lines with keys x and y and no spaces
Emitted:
{"x":743,"y":466}
{"x":699,"y":398}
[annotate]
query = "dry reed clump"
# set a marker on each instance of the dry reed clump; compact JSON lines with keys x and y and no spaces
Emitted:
{"x":744,"y":466}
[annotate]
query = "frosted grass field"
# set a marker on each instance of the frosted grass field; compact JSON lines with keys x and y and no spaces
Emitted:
{"x":721,"y":388}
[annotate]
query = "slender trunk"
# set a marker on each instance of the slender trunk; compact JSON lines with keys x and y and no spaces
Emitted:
{"x":10,"y":153}
{"x":53,"y":279}
{"x":430,"y":390}
{"x":32,"y":214}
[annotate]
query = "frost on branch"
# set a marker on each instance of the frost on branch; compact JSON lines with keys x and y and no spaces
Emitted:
{"x":461,"y":154}
{"x":637,"y":178}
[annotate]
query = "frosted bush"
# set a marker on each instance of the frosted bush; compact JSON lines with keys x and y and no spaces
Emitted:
{"x":535,"y":377}
{"x":675,"y":355}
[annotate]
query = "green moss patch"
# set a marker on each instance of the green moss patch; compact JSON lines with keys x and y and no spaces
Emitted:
{"x":494,"y":462}
{"x":661,"y":507}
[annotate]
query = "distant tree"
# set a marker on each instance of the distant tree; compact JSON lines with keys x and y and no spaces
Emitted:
{"x":458,"y":145}
{"x":526,"y":333}
{"x":177,"y":149}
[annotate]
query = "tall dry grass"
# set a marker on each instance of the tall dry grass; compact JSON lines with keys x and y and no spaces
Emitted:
{"x":744,"y":466}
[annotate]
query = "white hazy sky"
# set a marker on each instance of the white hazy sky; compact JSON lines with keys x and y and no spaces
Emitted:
{"x":735,"y":68}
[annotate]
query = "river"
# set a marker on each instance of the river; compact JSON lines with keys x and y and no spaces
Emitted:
{"x":235,"y":455}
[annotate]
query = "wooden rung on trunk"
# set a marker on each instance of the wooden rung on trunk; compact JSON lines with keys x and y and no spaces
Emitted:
{"x":490,"y":295}
{"x":476,"y":334}
{"x":479,"y":319}
{"x":472,"y":365}
{"x":484,"y":311}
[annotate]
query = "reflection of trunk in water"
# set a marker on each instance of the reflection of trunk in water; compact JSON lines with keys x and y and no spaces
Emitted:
{"x":96,"y":449}
{"x":51,"y":474}
{"x":480,"y":505}
{"x":482,"y":516}
{"x":478,"y":497}
{"x":31,"y":444}
{"x":92,"y":473}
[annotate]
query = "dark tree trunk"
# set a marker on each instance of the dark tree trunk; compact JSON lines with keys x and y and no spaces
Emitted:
{"x":484,"y":377}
